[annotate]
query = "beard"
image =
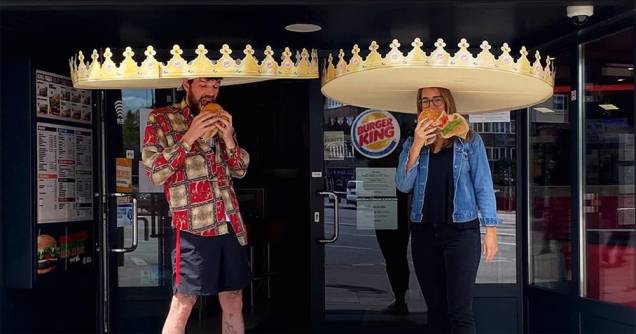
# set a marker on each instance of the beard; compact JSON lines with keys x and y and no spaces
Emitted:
{"x":195,"y":105}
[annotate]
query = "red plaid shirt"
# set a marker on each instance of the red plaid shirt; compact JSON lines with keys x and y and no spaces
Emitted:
{"x":198,"y":184}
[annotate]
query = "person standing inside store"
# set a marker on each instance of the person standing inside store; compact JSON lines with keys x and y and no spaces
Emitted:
{"x":394,"y":246}
{"x":209,"y":256}
{"x":450,"y":181}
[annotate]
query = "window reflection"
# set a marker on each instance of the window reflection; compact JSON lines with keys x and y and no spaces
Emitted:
{"x":609,"y":170}
{"x":550,"y":167}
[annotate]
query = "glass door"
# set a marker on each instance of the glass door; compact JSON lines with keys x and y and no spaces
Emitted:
{"x":361,"y":254}
{"x":366,"y":273}
{"x":135,"y":234}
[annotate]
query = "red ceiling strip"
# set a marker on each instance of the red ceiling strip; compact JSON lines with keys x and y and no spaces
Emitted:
{"x":597,"y":88}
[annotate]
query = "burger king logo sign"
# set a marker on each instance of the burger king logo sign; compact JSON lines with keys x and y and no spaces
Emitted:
{"x":375,"y":133}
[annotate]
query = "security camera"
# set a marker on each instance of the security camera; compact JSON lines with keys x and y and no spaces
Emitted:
{"x":580,"y":14}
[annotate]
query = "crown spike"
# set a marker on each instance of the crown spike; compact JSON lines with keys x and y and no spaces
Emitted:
{"x":109,"y":69}
{"x":505,"y":60}
{"x":341,"y":66}
{"x":463,"y":57}
{"x":201,"y":65}
{"x":417,"y":54}
{"x":269,"y":65}
{"x":537,"y":68}
{"x":95,"y":68}
{"x":176,"y":66}
{"x":249,"y":64}
{"x":439,"y":56}
{"x":128,"y":66}
{"x":394,"y":56}
{"x":150,"y":52}
{"x":523,"y":65}
{"x":373,"y":59}
{"x":304,"y":65}
{"x":150,"y":67}
{"x":287,"y":65}
{"x":485,"y":58}
{"x":355,"y":63}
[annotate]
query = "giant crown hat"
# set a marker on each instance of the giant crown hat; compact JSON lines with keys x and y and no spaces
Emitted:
{"x":482,"y":83}
{"x":152,"y":73}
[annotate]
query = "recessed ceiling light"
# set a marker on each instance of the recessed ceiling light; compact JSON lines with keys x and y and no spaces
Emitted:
{"x":303,"y":27}
{"x":608,"y":106}
{"x":630,"y":68}
{"x":620,"y":79}
{"x":543,"y":109}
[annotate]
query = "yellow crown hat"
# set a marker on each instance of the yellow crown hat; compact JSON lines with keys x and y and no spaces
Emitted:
{"x":152,"y":73}
{"x":482,"y":83}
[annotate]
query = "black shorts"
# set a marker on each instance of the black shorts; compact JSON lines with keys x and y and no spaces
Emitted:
{"x":209,"y":265}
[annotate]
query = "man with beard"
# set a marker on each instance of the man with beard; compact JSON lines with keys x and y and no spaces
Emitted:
{"x":209,"y":257}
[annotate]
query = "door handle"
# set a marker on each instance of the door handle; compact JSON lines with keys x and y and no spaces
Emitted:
{"x":336,"y":218}
{"x":135,"y":223}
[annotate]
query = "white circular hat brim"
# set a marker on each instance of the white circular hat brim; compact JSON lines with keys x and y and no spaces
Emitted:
{"x":475,"y":90}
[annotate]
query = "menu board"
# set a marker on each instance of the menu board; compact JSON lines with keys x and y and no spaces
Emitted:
{"x":57,"y":99}
{"x":65,"y":173}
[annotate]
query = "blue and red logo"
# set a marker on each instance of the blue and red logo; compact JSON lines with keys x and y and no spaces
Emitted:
{"x":375,"y":133}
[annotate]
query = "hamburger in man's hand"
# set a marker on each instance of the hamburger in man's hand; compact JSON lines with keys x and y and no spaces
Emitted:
{"x":216,"y":110}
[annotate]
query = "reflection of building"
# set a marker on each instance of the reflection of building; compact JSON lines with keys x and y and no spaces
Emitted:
{"x":500,"y":142}
{"x":499,"y":139}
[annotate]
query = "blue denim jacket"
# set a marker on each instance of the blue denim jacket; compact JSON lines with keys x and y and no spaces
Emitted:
{"x":471,"y":174}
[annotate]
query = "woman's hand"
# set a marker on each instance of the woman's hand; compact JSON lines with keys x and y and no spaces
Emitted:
{"x":489,"y":244}
{"x":425,"y":133}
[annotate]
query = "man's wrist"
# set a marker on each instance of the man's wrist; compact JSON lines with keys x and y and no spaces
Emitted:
{"x":230,"y":144}
{"x":186,"y":145}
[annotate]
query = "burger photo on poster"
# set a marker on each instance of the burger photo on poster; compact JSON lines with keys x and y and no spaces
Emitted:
{"x":48,"y":254}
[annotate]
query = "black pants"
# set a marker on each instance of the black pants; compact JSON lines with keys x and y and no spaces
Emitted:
{"x":446,"y":258}
{"x":394,"y":244}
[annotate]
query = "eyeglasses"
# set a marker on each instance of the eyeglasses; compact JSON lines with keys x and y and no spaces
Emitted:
{"x":437,"y":101}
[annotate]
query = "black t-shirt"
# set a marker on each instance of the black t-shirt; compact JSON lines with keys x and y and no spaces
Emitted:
{"x":440,"y":190}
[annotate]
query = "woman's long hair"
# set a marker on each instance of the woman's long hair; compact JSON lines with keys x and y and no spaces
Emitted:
{"x":449,"y":101}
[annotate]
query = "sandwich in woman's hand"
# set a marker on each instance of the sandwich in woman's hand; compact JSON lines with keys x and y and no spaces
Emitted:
{"x":216,"y":110}
{"x":453,"y":125}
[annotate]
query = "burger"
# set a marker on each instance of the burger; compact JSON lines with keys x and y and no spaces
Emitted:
{"x":48,"y":253}
{"x":453,"y":125}
{"x":213,"y":109}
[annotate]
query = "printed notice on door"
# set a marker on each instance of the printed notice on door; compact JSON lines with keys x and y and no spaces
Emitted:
{"x":65,"y":173}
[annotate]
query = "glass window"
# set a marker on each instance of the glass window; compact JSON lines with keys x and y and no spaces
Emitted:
{"x":550,"y":165}
{"x":503,"y":167}
{"x":609,"y":170}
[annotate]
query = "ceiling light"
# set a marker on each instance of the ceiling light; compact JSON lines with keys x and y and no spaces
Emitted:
{"x":620,"y":79}
{"x":608,"y":106}
{"x":543,"y":109}
{"x":630,"y":68}
{"x":303,"y":27}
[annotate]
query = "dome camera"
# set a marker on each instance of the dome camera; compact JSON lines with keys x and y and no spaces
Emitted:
{"x":580,"y":14}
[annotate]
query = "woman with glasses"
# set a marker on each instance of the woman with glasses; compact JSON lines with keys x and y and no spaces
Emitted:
{"x":451,"y":182}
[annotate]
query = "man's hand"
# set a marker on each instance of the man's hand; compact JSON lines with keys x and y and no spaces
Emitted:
{"x":201,"y":124}
{"x":226,"y":129}
{"x":489,"y":247}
